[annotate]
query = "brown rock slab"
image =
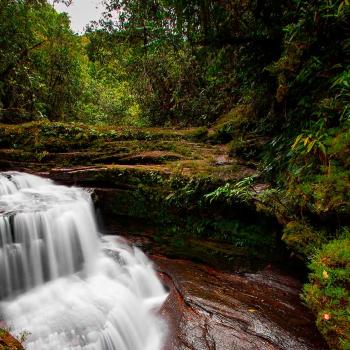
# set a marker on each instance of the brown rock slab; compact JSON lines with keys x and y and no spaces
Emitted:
{"x":212,"y":310}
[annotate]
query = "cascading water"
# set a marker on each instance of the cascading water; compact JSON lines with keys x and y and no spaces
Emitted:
{"x":56,"y":282}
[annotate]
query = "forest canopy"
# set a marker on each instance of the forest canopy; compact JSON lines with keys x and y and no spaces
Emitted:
{"x":172,"y":62}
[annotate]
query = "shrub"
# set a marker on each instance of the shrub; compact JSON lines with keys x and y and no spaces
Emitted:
{"x":328,"y":293}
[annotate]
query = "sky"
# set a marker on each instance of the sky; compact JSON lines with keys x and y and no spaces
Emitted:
{"x":81,"y":12}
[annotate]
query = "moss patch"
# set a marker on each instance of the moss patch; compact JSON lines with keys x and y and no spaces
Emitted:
{"x":161,"y":175}
{"x":43,"y":145}
{"x":328,"y":293}
{"x":8,"y":342}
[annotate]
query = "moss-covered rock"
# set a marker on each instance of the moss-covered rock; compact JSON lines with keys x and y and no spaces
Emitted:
{"x":185,"y":221}
{"x":159,"y":175}
{"x":8,"y":342}
{"x":62,"y":137}
{"x":328,"y":292}
{"x":302,"y":238}
{"x":237,"y":121}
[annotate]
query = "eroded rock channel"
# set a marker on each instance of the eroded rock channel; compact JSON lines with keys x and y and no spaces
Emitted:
{"x":208,"y":309}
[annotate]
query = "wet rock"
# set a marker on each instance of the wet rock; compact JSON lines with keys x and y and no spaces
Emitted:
{"x":223,"y":159}
{"x":211,"y":310}
{"x":150,"y":157}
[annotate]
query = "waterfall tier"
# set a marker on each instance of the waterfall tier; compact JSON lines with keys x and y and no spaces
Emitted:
{"x":56,"y":281}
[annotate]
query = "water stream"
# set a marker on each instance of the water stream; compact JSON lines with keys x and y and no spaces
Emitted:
{"x":56,"y":281}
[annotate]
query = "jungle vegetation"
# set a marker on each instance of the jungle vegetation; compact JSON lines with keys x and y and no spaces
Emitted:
{"x":269,"y":78}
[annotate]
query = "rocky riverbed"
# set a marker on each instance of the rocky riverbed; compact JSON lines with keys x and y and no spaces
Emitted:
{"x":209,"y":309}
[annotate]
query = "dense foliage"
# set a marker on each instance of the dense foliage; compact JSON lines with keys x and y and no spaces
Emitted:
{"x":269,"y":78}
{"x":39,"y":61}
{"x":45,"y":70}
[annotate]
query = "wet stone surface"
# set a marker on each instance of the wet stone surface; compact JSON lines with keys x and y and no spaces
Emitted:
{"x":208,"y":309}
{"x":212,"y":310}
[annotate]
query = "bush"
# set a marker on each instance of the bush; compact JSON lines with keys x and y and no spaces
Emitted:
{"x":302,"y":238}
{"x":328,"y":293}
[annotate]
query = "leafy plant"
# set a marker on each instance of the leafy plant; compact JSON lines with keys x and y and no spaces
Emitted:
{"x":328,"y":291}
{"x":241,"y":191}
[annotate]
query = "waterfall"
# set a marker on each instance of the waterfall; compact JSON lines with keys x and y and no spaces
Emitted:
{"x":57,"y":283}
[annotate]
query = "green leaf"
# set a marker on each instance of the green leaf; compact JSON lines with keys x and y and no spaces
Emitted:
{"x":306,"y":140}
{"x":322,"y":147}
{"x":310,"y":145}
{"x":297,"y":141}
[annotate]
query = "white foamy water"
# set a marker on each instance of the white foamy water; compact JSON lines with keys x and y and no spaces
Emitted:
{"x":57,"y":283}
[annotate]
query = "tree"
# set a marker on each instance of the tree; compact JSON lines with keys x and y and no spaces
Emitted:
{"x":39,"y":61}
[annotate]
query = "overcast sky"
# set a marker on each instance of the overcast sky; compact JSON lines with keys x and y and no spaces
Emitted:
{"x":81,"y":12}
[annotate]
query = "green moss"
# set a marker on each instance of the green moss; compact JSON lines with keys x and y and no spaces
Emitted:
{"x":302,"y":238}
{"x":249,"y":147}
{"x":161,"y":175}
{"x":328,"y":293}
{"x":60,"y":137}
{"x":176,"y":205}
{"x":44,"y":145}
{"x":237,"y":121}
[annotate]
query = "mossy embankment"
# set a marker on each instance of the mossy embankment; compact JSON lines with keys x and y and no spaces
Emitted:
{"x":309,"y":174}
{"x":158,"y":176}
{"x":74,"y":143}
